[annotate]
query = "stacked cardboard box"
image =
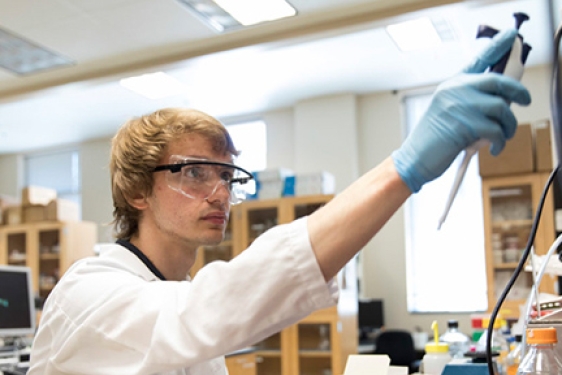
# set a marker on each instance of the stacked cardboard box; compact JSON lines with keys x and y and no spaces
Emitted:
{"x":10,"y":209}
{"x":40,"y":204}
{"x":530,"y":150}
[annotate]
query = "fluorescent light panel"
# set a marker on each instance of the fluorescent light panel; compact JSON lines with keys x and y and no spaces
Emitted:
{"x":225,"y":15}
{"x":154,"y":86}
{"x":251,"y":12}
{"x":414,"y":34}
{"x":23,"y":57}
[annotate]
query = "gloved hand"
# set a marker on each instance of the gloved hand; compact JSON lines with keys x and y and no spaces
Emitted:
{"x":464,"y":109}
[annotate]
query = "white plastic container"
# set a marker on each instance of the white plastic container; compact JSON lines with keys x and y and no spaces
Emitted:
{"x":436,"y":354}
{"x":435,"y":358}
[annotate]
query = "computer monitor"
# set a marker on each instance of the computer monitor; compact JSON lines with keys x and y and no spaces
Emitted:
{"x":370,"y":314}
{"x":17,"y":302}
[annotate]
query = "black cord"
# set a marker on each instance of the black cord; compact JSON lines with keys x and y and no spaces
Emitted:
{"x":555,"y":102}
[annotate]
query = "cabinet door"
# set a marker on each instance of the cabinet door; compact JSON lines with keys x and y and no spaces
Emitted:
{"x":49,"y":261}
{"x":315,"y":343}
{"x":48,"y":248}
{"x":242,"y":364}
{"x":17,"y":247}
{"x":18,"y":250}
{"x":510,"y":204}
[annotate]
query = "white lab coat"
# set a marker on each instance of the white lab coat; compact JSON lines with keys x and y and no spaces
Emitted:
{"x":111,"y":315}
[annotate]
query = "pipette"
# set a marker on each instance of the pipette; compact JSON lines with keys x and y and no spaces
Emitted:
{"x":511,"y":64}
{"x":469,"y":152}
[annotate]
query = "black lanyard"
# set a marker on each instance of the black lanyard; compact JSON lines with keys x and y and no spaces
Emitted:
{"x":135,"y":250}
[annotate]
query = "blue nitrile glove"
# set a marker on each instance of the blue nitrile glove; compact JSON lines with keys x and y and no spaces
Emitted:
{"x":463,"y":110}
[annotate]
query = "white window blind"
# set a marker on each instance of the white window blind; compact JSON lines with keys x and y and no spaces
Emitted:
{"x":56,"y":170}
{"x":445,"y":268}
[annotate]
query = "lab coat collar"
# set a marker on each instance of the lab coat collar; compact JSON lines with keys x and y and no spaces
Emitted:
{"x":116,"y":253}
{"x":143,"y":258}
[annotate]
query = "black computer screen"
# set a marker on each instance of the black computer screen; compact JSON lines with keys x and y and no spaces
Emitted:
{"x":17,"y":309}
{"x":370,"y":314}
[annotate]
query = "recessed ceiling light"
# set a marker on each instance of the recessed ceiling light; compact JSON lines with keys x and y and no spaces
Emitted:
{"x":251,"y":12}
{"x":414,"y":34}
{"x":224,"y":15}
{"x":23,"y":57}
{"x":154,"y":85}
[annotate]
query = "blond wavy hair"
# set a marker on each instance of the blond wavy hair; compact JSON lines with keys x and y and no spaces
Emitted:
{"x":137,"y":148}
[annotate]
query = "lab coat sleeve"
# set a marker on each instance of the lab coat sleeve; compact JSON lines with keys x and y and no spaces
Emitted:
{"x":123,"y":324}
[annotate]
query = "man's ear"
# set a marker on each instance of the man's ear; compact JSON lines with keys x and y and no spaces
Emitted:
{"x":138,"y":201}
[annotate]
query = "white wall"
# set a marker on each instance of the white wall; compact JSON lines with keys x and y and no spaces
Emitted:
{"x":11,"y":170}
{"x":97,"y":204}
{"x":343,"y":134}
{"x":326,"y":137}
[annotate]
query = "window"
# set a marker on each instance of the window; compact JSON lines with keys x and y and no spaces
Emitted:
{"x":250,"y":139}
{"x":59,"y":170}
{"x":446,"y":268}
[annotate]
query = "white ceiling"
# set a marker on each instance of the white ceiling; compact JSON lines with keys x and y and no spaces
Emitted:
{"x":328,"y":48}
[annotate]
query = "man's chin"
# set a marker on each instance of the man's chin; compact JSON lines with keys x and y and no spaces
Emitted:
{"x":213,"y":240}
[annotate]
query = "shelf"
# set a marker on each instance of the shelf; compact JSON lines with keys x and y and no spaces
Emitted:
{"x":315,"y":353}
{"x":506,"y":266}
{"x":49,"y":256}
{"x":268,"y":353}
{"x":509,"y":224}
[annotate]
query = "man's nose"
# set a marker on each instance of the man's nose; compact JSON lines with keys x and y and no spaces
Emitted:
{"x":221,"y":192}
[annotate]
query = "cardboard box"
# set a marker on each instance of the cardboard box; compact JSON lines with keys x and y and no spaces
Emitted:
{"x":517,"y":156}
{"x":37,"y":195}
{"x":543,"y":147}
{"x":12,"y":215}
{"x":33,"y":214}
{"x":5,"y":202}
{"x":62,"y":210}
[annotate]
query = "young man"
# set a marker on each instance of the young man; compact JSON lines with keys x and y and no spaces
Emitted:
{"x":133,"y":310}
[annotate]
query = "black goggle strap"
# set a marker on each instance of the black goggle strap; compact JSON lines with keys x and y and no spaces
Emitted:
{"x":175,"y":168}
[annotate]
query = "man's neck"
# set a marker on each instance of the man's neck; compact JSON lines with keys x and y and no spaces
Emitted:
{"x":173,"y":259}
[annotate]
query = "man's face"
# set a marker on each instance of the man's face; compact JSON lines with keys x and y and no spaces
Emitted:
{"x":177,"y":217}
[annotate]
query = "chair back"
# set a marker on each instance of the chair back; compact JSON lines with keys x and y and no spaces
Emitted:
{"x":398,"y":345}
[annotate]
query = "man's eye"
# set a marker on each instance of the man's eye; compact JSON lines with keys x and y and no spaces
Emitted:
{"x":194,"y":172}
{"x":227,"y":175}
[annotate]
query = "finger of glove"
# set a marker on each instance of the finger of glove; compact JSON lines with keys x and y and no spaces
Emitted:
{"x":508,"y":88}
{"x":499,"y":46}
{"x":499,"y":112}
{"x":496,"y":122}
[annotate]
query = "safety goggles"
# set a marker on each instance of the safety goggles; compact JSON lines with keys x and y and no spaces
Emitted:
{"x":200,"y":178}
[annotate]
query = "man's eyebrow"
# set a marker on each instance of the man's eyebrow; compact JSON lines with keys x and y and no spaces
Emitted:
{"x":204,"y":158}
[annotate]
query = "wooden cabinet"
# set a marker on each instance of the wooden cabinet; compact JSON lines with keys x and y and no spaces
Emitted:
{"x":509,"y":205}
{"x":241,"y":364}
{"x":48,"y":248}
{"x":320,"y":343}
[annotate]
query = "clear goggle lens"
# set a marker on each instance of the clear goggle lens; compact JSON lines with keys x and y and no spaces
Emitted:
{"x":200,"y":179}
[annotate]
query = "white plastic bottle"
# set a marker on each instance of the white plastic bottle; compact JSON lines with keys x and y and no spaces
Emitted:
{"x":436,"y":354}
{"x":459,"y":343}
